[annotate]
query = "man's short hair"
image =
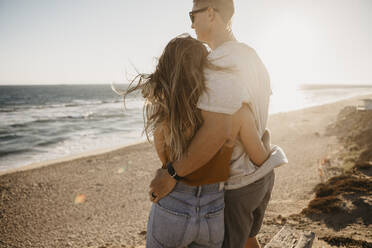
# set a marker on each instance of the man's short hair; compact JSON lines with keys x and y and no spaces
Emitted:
{"x":225,"y":7}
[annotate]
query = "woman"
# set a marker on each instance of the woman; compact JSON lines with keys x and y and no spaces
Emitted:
{"x":192,"y":214}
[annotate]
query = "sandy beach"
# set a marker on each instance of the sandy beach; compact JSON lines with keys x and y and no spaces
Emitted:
{"x":101,"y":200}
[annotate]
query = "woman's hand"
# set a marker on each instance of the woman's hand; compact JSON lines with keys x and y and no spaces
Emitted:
{"x":161,"y":185}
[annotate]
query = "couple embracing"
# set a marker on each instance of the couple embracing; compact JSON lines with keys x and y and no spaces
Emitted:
{"x":208,"y":114}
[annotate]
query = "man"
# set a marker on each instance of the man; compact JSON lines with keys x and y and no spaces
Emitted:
{"x":248,"y":188}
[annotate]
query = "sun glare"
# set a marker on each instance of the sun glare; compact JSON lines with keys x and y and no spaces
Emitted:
{"x":290,"y":45}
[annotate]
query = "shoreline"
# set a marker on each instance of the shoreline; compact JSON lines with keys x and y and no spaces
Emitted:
{"x":95,"y":152}
{"x":69,"y":158}
{"x":327,"y":102}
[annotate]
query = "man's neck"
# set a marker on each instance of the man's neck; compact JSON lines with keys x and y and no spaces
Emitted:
{"x":221,"y":37}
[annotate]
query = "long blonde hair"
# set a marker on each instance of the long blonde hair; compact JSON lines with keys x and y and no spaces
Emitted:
{"x":172,"y":92}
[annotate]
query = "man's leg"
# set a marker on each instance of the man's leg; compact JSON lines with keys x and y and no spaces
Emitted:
{"x":252,"y":243}
{"x":259,"y":213}
{"x":238,"y":218}
{"x":240,"y":206}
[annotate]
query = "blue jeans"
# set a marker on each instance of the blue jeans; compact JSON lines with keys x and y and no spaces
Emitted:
{"x":190,"y":216}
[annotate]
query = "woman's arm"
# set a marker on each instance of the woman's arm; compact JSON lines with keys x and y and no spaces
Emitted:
{"x":250,"y":138}
{"x":159,"y":141}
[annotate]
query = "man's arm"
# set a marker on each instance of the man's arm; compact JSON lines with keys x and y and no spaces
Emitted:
{"x":211,"y":136}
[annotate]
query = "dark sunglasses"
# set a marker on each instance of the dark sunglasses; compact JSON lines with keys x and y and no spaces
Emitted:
{"x":192,"y":13}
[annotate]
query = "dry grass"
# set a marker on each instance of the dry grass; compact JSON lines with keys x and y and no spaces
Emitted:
{"x":345,"y":199}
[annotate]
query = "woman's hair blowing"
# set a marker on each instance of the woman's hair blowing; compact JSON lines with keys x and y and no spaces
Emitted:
{"x":172,"y":92}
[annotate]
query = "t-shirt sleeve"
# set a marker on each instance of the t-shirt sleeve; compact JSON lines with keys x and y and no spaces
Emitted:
{"x":224,"y":94}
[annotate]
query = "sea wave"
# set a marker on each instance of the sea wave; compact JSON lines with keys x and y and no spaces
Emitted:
{"x":67,"y":118}
{"x":51,"y":141}
{"x":8,"y":137}
{"x":4,"y":153}
{"x":75,"y":103}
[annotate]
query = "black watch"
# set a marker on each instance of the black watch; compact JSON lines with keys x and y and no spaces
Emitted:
{"x":172,"y":172}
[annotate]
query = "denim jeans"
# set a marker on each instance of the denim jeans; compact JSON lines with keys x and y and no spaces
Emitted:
{"x":190,"y":216}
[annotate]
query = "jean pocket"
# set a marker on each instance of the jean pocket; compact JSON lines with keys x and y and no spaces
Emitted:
{"x":216,"y":226}
{"x":168,"y":227}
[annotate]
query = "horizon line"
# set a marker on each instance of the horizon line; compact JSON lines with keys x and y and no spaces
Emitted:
{"x":118,"y":82}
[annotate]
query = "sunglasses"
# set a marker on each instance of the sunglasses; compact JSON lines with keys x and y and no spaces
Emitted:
{"x":192,"y":13}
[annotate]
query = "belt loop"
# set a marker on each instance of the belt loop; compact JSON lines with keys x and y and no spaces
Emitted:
{"x":221,"y":186}
{"x":198,"y":192}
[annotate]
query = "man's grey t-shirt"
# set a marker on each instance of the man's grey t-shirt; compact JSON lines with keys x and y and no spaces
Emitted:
{"x":245,"y":81}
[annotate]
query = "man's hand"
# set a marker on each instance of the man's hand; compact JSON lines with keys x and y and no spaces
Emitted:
{"x":161,"y":185}
{"x":266,"y":140}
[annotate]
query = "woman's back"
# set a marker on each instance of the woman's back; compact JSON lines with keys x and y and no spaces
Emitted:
{"x":216,"y":170}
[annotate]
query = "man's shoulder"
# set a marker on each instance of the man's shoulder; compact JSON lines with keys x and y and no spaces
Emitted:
{"x":246,"y":51}
{"x":232,"y":53}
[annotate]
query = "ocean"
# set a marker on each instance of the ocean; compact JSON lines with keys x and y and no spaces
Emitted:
{"x":45,"y":122}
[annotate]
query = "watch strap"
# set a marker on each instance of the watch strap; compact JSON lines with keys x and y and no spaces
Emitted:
{"x":172,"y":171}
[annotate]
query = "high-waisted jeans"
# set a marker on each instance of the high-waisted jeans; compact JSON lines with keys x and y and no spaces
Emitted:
{"x":190,"y":216}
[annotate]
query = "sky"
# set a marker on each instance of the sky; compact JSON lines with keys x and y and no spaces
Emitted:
{"x":96,"y":41}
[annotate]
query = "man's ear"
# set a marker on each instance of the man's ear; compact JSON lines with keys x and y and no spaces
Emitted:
{"x":211,"y":14}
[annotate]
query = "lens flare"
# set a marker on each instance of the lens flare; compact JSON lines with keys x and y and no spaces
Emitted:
{"x":79,"y":198}
{"x":121,"y":170}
